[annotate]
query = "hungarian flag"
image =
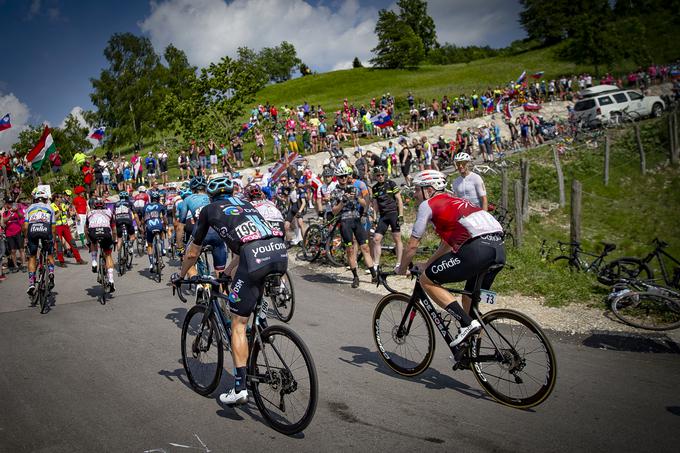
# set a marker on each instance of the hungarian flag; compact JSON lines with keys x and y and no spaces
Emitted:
{"x":4,"y":123}
{"x":42,"y":150}
{"x":98,"y":134}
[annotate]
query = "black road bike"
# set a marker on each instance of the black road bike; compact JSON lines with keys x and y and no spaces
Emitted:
{"x":125,"y":254}
{"x":102,"y":278}
{"x":157,"y":250}
{"x":281,"y":372}
{"x":511,"y":357}
{"x":639,"y":267}
{"x":41,"y":295}
{"x":324,"y":240}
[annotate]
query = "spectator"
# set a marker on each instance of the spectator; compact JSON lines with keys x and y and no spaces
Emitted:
{"x":255,"y":159}
{"x":12,"y":221}
{"x":55,"y":160}
{"x":212,"y":151}
{"x":183,"y":164}
{"x":193,"y":159}
{"x":469,"y":185}
{"x":88,"y":176}
{"x":163,"y":165}
{"x":151,"y":165}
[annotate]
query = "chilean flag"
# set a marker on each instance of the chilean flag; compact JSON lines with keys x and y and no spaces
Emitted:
{"x":4,"y":123}
{"x":382,"y":119}
{"x":98,"y":134}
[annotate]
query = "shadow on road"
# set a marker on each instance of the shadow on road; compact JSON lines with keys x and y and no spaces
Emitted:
{"x":95,"y":292}
{"x":431,"y":378}
{"x":657,"y":343}
{"x":177,"y":316}
{"x":321,"y":278}
{"x":675,"y":410}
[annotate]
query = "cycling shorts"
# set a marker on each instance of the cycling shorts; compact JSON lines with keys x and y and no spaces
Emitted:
{"x":353,"y":228}
{"x":37,"y":232}
{"x":149,"y":232}
{"x":127,"y":224}
{"x":258,"y":259}
{"x":103,"y":235}
{"x":188,"y":229}
{"x":472,"y":258}
{"x":219,"y":249}
{"x":389,"y":220}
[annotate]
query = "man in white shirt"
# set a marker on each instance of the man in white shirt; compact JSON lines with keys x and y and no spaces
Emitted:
{"x":469,"y":185}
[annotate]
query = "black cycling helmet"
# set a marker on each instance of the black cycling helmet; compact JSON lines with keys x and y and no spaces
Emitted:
{"x":98,"y":203}
{"x":327,"y":171}
{"x":198,"y":182}
{"x":155,"y":196}
{"x":220,"y":186}
{"x":379,"y":170}
{"x":124,"y":195}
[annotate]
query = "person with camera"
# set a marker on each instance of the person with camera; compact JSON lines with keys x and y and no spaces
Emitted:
{"x":388,"y":204}
{"x":348,"y":202}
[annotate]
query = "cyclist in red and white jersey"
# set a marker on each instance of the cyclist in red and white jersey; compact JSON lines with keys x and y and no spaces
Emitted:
{"x":101,"y":228}
{"x":472,"y":241}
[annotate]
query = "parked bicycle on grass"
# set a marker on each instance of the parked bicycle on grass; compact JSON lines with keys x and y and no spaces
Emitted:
{"x":645,"y":305}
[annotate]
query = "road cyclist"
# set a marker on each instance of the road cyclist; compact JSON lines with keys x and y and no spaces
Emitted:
{"x":39,"y":226}
{"x":155,"y":220}
{"x":125,"y":218}
{"x":101,"y":228}
{"x":250,"y":237}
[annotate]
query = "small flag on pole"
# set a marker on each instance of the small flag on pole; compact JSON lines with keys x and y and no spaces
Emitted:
{"x":98,"y":134}
{"x":521,"y":78}
{"x":5,"y":123}
{"x":538,"y":75}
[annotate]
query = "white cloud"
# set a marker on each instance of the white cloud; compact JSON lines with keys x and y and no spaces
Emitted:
{"x":207,"y":30}
{"x":77,"y":111}
{"x":19,"y":114}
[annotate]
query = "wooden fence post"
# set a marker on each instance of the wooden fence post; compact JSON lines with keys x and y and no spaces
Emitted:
{"x":643,"y":163}
{"x":504,"y":189}
{"x":524,"y":164}
{"x":560,"y":177}
{"x":606,"y":159}
{"x":675,"y":150}
{"x":575,"y":225}
{"x":519,"y":224}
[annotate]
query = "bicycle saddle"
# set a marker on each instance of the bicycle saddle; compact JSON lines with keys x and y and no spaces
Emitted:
{"x":608,"y":247}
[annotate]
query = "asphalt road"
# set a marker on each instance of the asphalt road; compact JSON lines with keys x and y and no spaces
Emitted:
{"x":89,"y":377}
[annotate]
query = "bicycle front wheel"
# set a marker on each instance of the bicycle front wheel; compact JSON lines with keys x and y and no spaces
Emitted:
{"x":312,"y":242}
{"x":563,"y":259}
{"x":407,"y":349}
{"x":283,"y":379}
{"x":647,"y":310}
{"x":202,"y":351}
{"x":513,"y":360}
{"x":283,"y":299}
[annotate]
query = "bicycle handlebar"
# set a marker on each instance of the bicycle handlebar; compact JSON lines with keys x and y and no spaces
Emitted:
{"x":198,"y":279}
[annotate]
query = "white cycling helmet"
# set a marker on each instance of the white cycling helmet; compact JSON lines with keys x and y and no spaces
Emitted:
{"x":343,"y":171}
{"x":39,"y":194}
{"x":462,"y":157}
{"x":141,"y":189}
{"x":430,"y":178}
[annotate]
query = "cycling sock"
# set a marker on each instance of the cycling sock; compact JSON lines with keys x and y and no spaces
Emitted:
{"x":239,"y":378}
{"x":354,"y":272}
{"x":50,"y":268}
{"x":150,"y":259}
{"x":373,"y":270}
{"x":109,"y":272}
{"x":93,"y":255}
{"x":455,"y":309}
{"x":31,"y":278}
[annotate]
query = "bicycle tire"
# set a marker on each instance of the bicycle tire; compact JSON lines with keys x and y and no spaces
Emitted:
{"x":335,"y":251}
{"x":101,"y":270}
{"x":129,"y":254}
{"x":140,"y":245}
{"x":122,"y":262}
{"x":514,"y":353}
{"x":284,"y":307}
{"x":570,"y":262}
{"x":42,"y":292}
{"x":279,"y":380}
{"x":627,"y":268}
{"x":203,"y":379}
{"x":158,"y":260}
{"x":386,"y":319}
{"x":647,"y":310}
{"x":312,"y":242}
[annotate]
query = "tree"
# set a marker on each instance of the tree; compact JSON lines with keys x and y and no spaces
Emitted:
{"x":128,"y":94}
{"x":414,"y":13}
{"x":545,"y":21}
{"x":398,"y":45}
{"x":179,"y":80}
{"x":279,"y":62}
{"x":71,"y":139}
{"x":357,"y":63}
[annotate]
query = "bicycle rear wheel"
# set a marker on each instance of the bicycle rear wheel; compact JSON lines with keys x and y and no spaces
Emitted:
{"x":42,"y":293}
{"x":122,"y":260}
{"x":409,"y":349}
{"x":283,"y":298}
{"x":158,"y":259}
{"x":624,"y":268}
{"x":128,"y":253}
{"x":647,"y":310}
{"x":282,"y":376}
{"x":335,"y":251}
{"x":102,"y":276}
{"x":520,"y":370}
{"x":202,"y":351}
{"x":563,"y":259}
{"x":312,"y":242}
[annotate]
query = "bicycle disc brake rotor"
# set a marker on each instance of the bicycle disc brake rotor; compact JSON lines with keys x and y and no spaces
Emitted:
{"x":512,"y":362}
{"x":398,"y":339}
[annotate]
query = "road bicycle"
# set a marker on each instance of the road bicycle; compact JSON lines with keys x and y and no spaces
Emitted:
{"x":639,"y":267}
{"x":645,"y":305}
{"x":125,"y":254}
{"x":324,"y":240}
{"x":505,"y":218}
{"x":279,"y":288}
{"x":43,"y":290}
{"x":280,"y":371}
{"x":511,"y":358}
{"x":102,"y":277}
{"x":157,"y":250}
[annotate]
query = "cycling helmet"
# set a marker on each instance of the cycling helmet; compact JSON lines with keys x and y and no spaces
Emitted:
{"x":141,"y":189}
{"x":155,"y":196}
{"x":430,"y":178}
{"x":254,"y":192}
{"x":379,"y":170}
{"x":327,"y":172}
{"x":220,"y":186}
{"x":124,"y":195}
{"x":98,"y":203}
{"x":198,"y":182}
{"x":68,"y":192}
{"x":39,"y":194}
{"x":462,"y":157}
{"x":185,"y":192}
{"x":342,"y":171}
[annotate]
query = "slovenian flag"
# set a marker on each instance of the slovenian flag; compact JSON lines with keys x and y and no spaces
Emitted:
{"x":521,"y":78}
{"x":4,"y":123}
{"x":42,"y":150}
{"x":382,"y":119}
{"x":538,"y":75}
{"x":245,"y":128}
{"x":98,"y":134}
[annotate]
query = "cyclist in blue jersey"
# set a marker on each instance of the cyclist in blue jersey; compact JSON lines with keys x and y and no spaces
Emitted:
{"x":180,"y":239}
{"x":154,"y":221}
{"x":188,"y":216}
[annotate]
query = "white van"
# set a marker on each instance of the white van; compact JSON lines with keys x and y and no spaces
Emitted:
{"x":602,"y":104}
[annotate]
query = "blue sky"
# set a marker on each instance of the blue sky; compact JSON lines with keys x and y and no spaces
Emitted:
{"x":50,"y":49}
